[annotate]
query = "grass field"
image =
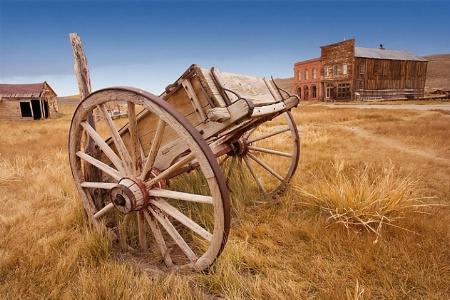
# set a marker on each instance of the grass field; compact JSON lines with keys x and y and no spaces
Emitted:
{"x":366,"y":217}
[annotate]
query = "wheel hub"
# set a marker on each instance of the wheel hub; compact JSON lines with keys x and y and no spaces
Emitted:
{"x":129,"y":195}
{"x":239,"y":147}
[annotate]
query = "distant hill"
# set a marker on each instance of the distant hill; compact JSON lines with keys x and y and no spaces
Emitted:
{"x":69,"y":99}
{"x":438,"y":74}
{"x":286,"y":83}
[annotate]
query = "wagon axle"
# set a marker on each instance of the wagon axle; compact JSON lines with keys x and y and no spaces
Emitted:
{"x":239,"y":147}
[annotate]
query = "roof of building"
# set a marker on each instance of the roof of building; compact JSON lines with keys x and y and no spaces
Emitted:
{"x":23,"y":90}
{"x":382,"y":53}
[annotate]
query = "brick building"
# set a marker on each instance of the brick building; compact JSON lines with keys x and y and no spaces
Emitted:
{"x":307,"y":79}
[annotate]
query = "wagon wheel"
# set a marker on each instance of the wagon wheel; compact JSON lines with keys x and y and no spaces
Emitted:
{"x":268,"y":154}
{"x":149,"y":177}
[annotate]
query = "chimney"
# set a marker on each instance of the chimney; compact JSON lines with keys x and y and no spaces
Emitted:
{"x":381,"y":47}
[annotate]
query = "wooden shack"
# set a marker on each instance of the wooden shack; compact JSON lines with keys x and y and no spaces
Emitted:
{"x":27,"y":101}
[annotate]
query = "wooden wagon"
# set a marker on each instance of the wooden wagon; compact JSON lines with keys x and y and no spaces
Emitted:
{"x":156,"y":175}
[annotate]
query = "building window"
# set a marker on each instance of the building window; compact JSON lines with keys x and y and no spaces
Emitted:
{"x":375,"y":68}
{"x":344,"y":69}
{"x":362,"y":68}
{"x":25,"y":109}
{"x":327,"y":71}
{"x":314,"y":92}
{"x":335,"y":70}
{"x":299,"y":75}
{"x":361,"y":84}
{"x":314,"y":73}
{"x":343,"y":91}
{"x":306,"y":74}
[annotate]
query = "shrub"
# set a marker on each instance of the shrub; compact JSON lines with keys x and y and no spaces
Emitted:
{"x":363,"y":198}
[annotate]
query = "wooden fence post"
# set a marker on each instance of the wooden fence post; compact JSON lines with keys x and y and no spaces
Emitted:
{"x":81,"y":66}
{"x":84,"y":86}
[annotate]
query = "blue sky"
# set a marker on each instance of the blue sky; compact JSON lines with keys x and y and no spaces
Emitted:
{"x":148,"y":44}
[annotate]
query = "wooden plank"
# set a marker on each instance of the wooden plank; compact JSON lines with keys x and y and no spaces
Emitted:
{"x":206,"y":79}
{"x":249,"y":87}
{"x":192,"y":95}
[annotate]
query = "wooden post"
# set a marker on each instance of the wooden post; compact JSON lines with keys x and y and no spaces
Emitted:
{"x":81,"y":66}
{"x":84,"y":86}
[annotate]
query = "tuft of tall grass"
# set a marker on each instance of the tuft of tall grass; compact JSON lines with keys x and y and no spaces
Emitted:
{"x":363,"y":197}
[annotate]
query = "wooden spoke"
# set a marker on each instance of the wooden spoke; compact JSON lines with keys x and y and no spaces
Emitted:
{"x":265,"y":166}
{"x":266,"y":136}
{"x":156,"y":144}
{"x":135,"y":144}
{"x":250,"y":132}
{"x":259,"y":149}
{"x":105,"y":148}
{"x":249,"y":166}
{"x":162,"y":193}
{"x":98,"y":185}
{"x":104,"y":211}
{"x":123,"y":225}
{"x":141,"y":231}
{"x":176,"y":214}
{"x":167,"y":172}
{"x":172,"y":231}
{"x":102,"y":166}
{"x":118,"y":142}
{"x":158,"y":238}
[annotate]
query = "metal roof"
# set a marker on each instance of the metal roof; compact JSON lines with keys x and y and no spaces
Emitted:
{"x":21,"y":90}
{"x":382,"y":53}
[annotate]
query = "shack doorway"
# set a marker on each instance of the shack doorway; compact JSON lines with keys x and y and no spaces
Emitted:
{"x":45,"y":104}
{"x":36,"y":106}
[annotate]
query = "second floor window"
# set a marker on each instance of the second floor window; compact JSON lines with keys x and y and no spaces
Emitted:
{"x":344,"y":69}
{"x":327,"y":72}
{"x":299,"y":75}
{"x":306,"y":74}
{"x":314,"y":73}
{"x":335,"y":70}
{"x":362,"y":68}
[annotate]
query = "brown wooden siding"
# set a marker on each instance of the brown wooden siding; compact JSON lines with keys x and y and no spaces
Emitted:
{"x":385,"y":78}
{"x":10,"y":110}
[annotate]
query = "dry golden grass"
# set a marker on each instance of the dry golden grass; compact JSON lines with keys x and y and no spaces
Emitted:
{"x":281,"y":249}
{"x":365,"y":198}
